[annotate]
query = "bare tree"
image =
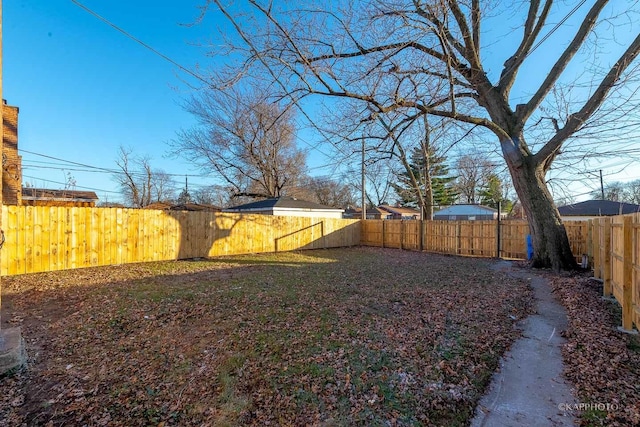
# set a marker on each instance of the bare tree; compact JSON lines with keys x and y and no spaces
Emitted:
{"x":213,"y":195}
{"x":427,"y":58}
{"x":246,"y":140}
{"x":163,"y":187}
{"x":379,"y":177}
{"x":628,"y":192}
{"x":633,"y":192}
{"x":140,"y":184}
{"x":329,"y":192}
{"x":473,"y":171}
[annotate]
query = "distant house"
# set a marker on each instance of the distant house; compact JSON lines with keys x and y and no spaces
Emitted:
{"x":595,"y":208}
{"x":398,"y":212}
{"x":287,"y":206}
{"x":467,"y":213}
{"x":45,"y":197}
{"x":356,"y":213}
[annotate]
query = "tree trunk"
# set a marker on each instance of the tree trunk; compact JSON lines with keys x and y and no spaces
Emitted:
{"x":551,"y":247}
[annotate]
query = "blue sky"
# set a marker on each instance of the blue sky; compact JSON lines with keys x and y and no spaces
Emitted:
{"x":84,"y":89}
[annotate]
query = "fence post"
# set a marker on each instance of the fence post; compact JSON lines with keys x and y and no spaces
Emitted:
{"x":383,"y":232}
{"x":458,"y":237}
{"x":597,"y":260}
{"x":498,"y":242}
{"x":590,"y":243}
{"x":421,"y":234}
{"x":402,"y":227}
{"x":627,"y":273}
{"x":605,"y":258}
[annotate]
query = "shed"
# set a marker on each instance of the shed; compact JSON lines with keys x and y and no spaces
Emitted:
{"x":287,"y":206}
{"x":467,"y":213}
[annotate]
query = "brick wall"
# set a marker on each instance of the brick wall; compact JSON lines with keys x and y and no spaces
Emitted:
{"x":11,"y":161}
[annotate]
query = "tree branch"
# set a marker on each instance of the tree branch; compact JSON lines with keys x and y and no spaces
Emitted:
{"x":577,"y":119}
{"x":523,"y":112}
{"x":475,"y":23}
{"x":471,"y":52}
{"x":431,"y":18}
{"x":392,"y":46}
{"x":531,"y":31}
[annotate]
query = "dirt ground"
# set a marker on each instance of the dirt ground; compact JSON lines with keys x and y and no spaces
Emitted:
{"x":358,"y":336}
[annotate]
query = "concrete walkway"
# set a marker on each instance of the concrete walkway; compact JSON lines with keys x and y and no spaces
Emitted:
{"x":529,"y":389}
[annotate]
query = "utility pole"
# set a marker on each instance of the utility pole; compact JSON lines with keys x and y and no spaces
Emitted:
{"x":12,"y":353}
{"x":364,"y":193}
{"x":186,"y":190}
{"x":601,"y":185}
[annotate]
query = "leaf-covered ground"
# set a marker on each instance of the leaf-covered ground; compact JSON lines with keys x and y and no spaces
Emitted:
{"x":358,"y":336}
{"x":602,"y":363}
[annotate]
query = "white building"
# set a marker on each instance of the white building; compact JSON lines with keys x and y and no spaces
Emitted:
{"x":287,"y":206}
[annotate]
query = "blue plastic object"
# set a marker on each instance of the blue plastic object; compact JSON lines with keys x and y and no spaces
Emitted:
{"x":529,"y":247}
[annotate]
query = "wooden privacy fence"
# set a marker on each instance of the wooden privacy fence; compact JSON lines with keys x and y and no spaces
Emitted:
{"x":616,"y":260}
{"x":57,"y":238}
{"x":466,"y":238}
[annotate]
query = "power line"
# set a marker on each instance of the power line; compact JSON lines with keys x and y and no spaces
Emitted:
{"x":105,"y":170}
{"x":546,"y":36}
{"x":140,"y":42}
{"x":65,"y":183}
{"x":63,"y":160}
{"x":61,"y":164}
{"x":555,"y":28}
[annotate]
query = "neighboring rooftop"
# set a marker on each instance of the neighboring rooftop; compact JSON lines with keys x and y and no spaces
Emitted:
{"x":280,"y":202}
{"x":598,"y":208}
{"x":372,"y":213}
{"x":32,"y":193}
{"x":183,"y":207}
{"x":399,"y":211}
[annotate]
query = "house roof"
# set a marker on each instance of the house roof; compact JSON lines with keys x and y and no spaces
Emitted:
{"x":31,"y":193}
{"x":281,"y":203}
{"x":183,"y":207}
{"x":194,"y":207}
{"x":399,"y":210}
{"x":598,"y":208}
{"x":358,"y":211}
{"x":467,"y":209}
{"x":158,"y":206}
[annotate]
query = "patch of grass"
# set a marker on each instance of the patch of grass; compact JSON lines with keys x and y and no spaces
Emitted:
{"x":232,"y":402}
{"x":593,"y":418}
{"x":633,"y":344}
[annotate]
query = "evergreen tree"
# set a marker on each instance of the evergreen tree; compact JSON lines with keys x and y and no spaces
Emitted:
{"x":441,"y":183}
{"x":492,"y":194}
{"x":184,"y":197}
